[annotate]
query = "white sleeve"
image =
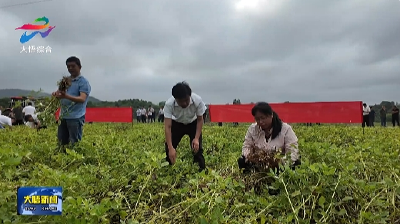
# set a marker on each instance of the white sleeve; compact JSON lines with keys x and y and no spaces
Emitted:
{"x":168,"y":111}
{"x":9,"y":122}
{"x":201,"y":108}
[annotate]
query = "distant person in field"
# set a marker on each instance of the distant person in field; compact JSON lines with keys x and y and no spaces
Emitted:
{"x":366,"y":111}
{"x":139,"y":115}
{"x":6,"y":121}
{"x":161,"y":115}
{"x":382,"y":114}
{"x":143,"y":114}
{"x":29,"y":110}
{"x":73,"y":104}
{"x":183,"y":114}
{"x":395,"y":116}
{"x":151,"y":114}
{"x":33,"y":122}
{"x":372,"y":117}
{"x":269,"y":134}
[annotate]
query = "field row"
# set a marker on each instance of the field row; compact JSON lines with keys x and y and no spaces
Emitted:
{"x":118,"y":175}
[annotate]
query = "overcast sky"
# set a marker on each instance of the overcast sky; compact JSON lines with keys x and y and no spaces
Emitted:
{"x":273,"y":50}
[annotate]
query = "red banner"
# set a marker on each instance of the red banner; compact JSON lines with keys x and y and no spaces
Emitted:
{"x":107,"y":114}
{"x":319,"y":112}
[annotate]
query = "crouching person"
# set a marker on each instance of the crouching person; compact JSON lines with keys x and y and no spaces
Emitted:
{"x":266,"y":138}
{"x":6,"y":121}
{"x":33,"y":122}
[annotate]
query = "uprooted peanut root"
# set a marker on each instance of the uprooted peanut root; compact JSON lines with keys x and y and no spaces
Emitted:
{"x":263,"y":160}
{"x":64,"y":83}
{"x":52,"y":104}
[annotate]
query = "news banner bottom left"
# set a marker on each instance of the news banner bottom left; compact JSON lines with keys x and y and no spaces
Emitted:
{"x":39,"y":201}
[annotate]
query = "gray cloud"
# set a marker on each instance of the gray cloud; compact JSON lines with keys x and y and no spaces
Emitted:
{"x":285,"y":50}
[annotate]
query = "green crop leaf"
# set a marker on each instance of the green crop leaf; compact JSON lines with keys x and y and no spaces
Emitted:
{"x":344,"y":177}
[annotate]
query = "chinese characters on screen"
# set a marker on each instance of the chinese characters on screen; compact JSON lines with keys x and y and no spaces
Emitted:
{"x":35,"y":49}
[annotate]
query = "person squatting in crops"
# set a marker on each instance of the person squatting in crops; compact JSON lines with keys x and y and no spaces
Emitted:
{"x":183,"y":115}
{"x":6,"y":121}
{"x":73,"y":104}
{"x":268,"y":136}
{"x":33,"y":122}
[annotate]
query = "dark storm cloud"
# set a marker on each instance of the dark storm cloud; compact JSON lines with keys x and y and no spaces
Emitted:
{"x":297,"y":50}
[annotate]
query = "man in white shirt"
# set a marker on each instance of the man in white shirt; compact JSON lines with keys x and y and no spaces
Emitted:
{"x":366,"y":111}
{"x":183,"y":114}
{"x":143,"y":114}
{"x":150,"y":114}
{"x":139,"y":115}
{"x":161,"y":115}
{"x":29,"y":110}
{"x":6,"y":121}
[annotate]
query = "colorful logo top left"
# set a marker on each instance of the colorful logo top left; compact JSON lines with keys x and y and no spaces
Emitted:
{"x":27,"y":37}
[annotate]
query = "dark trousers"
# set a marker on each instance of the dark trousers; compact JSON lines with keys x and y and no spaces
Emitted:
{"x":365,"y":121}
{"x":161,"y":118}
{"x":178,"y":130}
{"x":70,"y":131}
{"x":143,"y":118}
{"x":139,"y":118}
{"x":152,"y":118}
{"x":19,"y":122}
{"x":395,"y":120}
{"x":383,"y":121}
{"x":248,"y":166}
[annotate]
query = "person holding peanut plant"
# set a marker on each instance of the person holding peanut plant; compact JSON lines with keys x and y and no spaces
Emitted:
{"x":183,"y":115}
{"x":265,"y":139}
{"x":73,"y":104}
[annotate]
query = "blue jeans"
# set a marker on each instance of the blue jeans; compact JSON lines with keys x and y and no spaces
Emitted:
{"x":70,"y":130}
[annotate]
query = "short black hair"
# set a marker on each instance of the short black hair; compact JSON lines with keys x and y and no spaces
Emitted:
{"x":181,"y":90}
{"x":266,"y":109}
{"x":29,"y":103}
{"x":364,"y":104}
{"x":75,"y":60}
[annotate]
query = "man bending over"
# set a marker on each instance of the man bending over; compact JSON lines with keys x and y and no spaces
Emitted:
{"x":183,"y":114}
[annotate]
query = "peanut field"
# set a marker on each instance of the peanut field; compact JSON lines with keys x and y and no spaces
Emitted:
{"x":118,"y":174}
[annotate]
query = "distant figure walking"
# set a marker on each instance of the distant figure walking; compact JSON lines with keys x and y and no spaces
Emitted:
{"x":366,"y":111}
{"x":395,"y":116}
{"x":382,"y":114}
{"x":161,"y":115}
{"x":372,"y":117}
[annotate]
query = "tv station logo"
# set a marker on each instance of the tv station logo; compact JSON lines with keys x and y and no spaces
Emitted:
{"x":39,"y":201}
